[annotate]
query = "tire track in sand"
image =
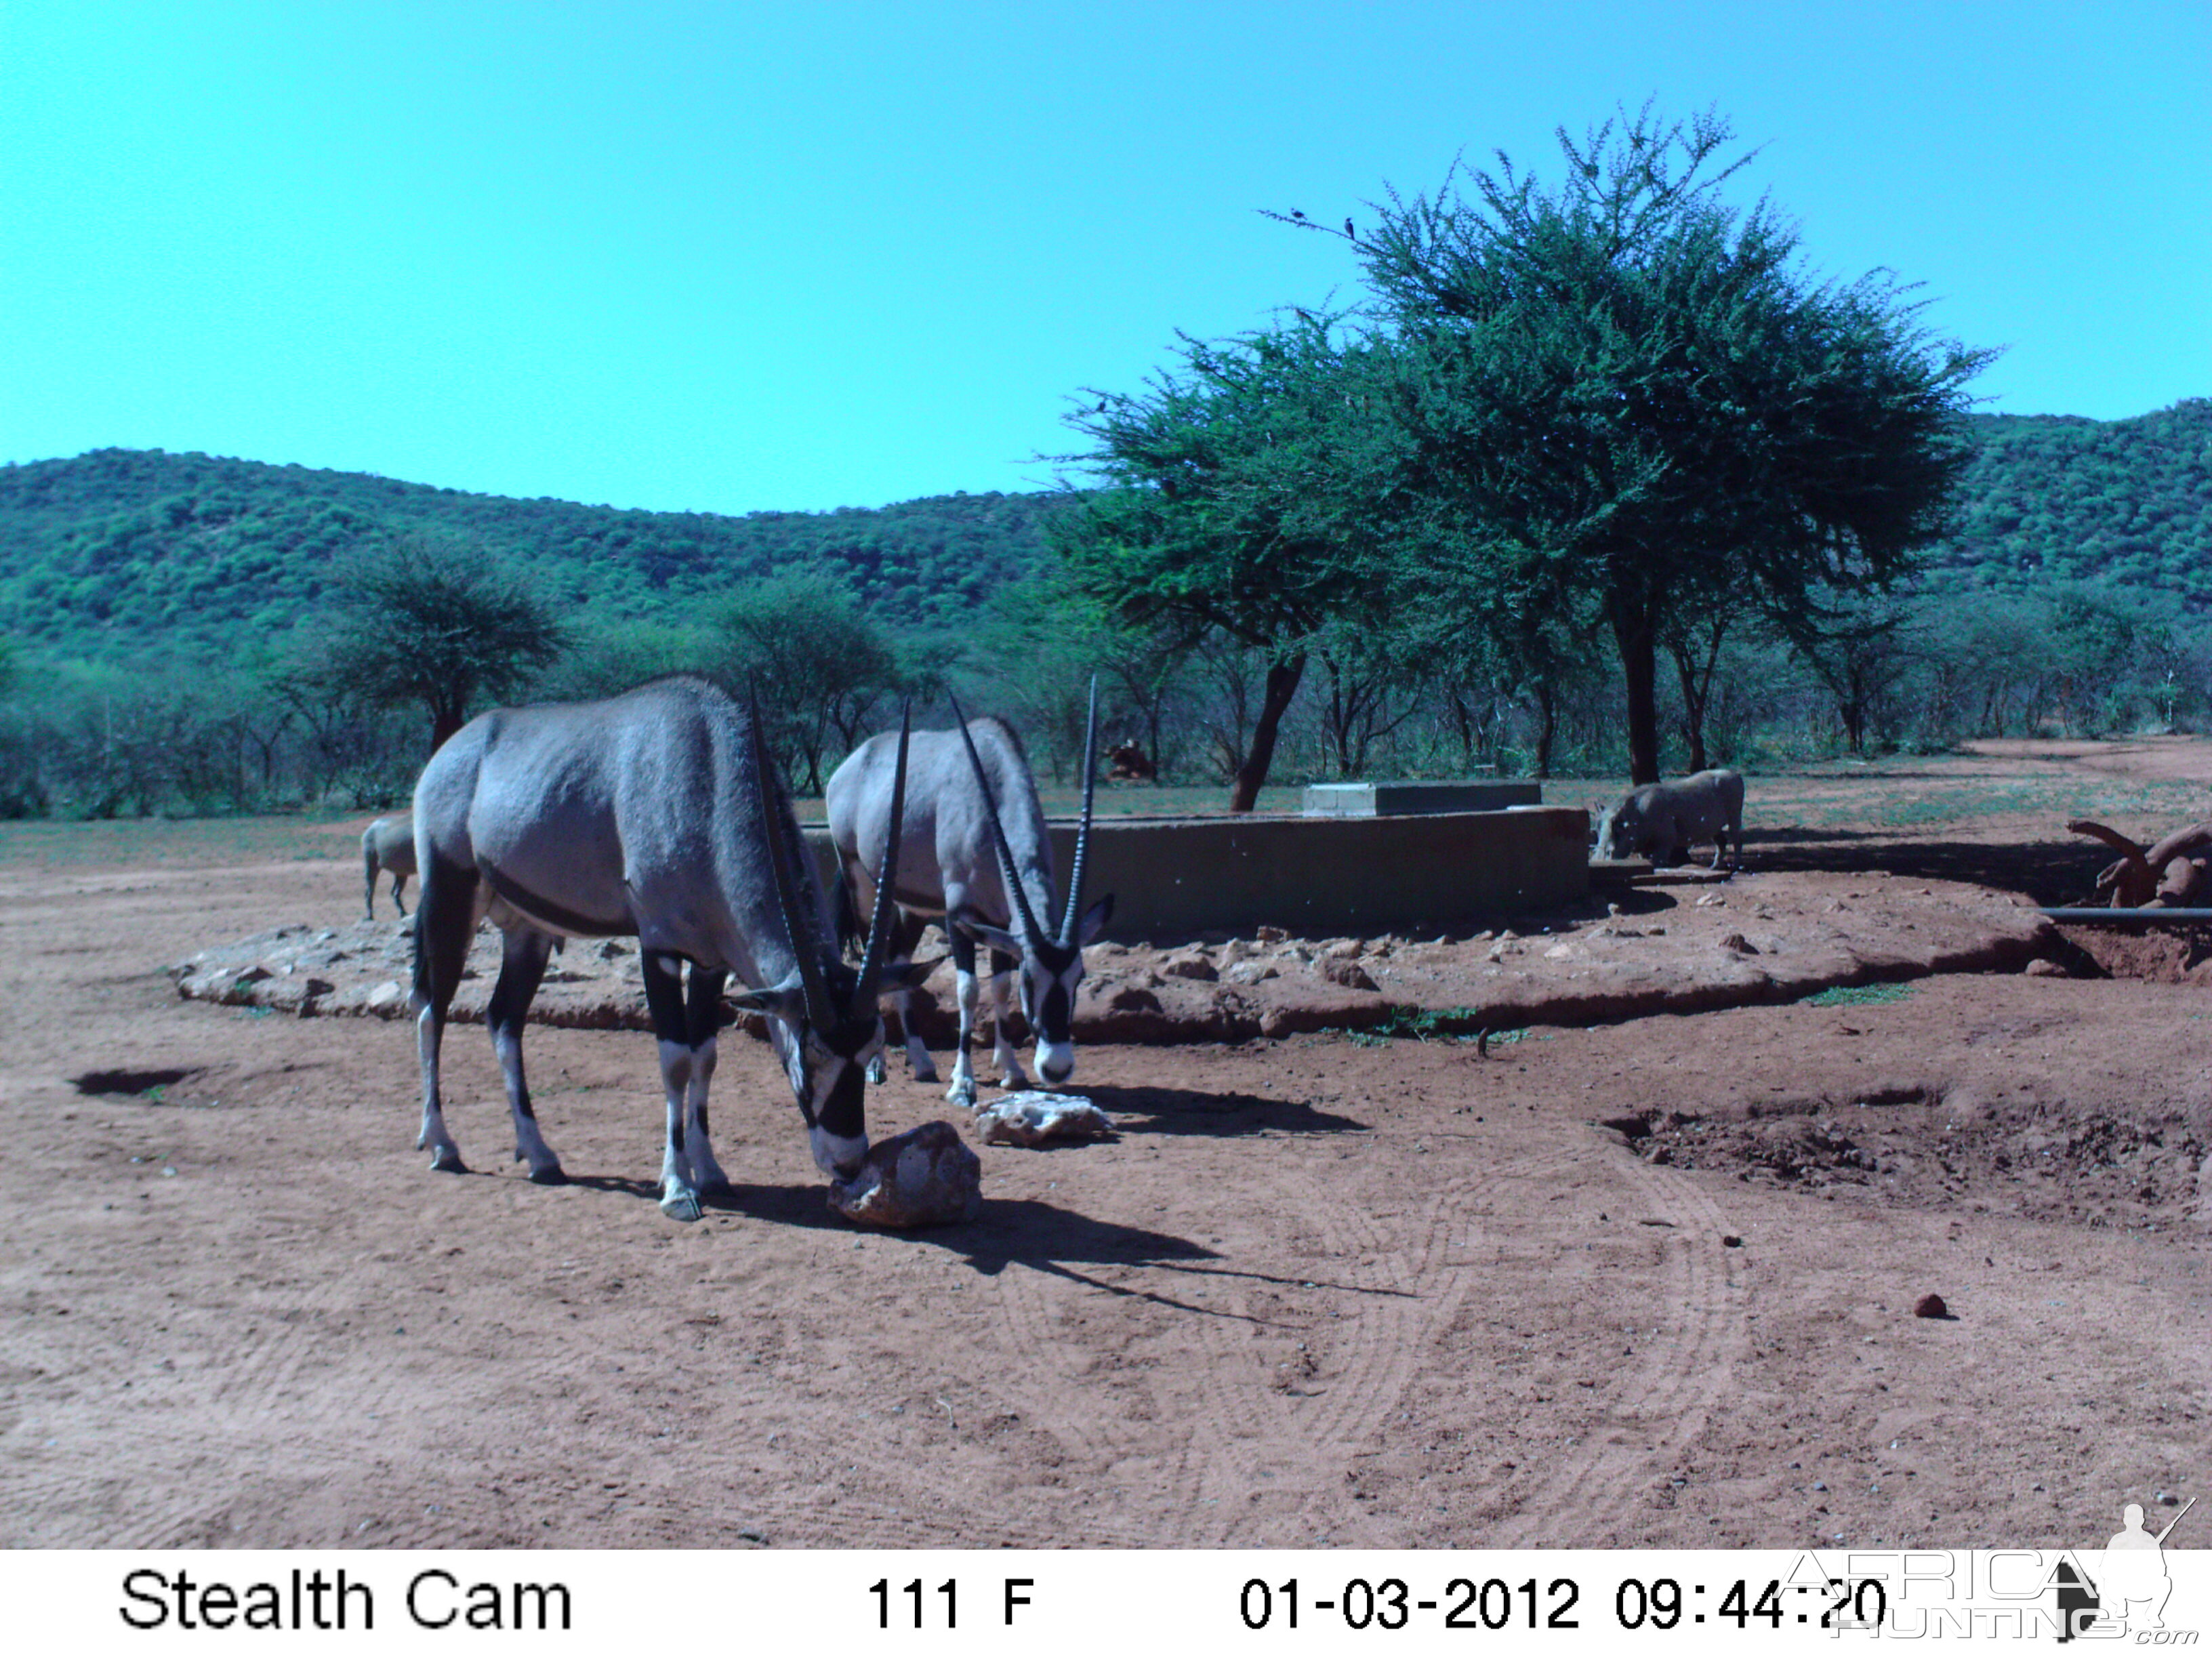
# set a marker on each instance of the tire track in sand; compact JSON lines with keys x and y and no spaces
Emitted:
{"x":1218,"y":1428}
{"x":1656,"y":1410}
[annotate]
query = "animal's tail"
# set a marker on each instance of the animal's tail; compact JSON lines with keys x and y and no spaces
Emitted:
{"x":852,"y":926}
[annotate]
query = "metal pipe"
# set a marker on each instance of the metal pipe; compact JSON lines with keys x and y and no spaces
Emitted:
{"x":2144,"y":917}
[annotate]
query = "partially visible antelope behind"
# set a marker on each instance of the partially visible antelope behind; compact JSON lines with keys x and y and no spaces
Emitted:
{"x":387,"y":844}
{"x":655,"y":814}
{"x":974,"y":852}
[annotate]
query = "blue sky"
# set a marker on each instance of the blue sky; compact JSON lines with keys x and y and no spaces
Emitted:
{"x":736,"y":257}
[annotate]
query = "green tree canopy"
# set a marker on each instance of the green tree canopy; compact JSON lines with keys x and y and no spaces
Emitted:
{"x":1628,"y":404}
{"x":822,"y":664}
{"x":430,"y":626}
{"x":1249,"y":491}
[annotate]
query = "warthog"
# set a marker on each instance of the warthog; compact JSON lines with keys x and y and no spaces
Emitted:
{"x":1663,"y":819}
{"x":387,"y":844}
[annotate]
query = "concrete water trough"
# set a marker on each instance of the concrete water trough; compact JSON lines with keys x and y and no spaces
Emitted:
{"x":1174,"y":878}
{"x":1385,"y":800}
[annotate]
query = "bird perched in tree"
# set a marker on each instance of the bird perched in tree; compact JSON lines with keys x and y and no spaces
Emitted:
{"x":1295,"y":214}
{"x":1350,"y":235}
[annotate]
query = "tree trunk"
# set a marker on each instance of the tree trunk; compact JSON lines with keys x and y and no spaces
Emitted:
{"x":1633,"y":630}
{"x":1547,"y":715}
{"x":1851,"y":709}
{"x":1282,"y":686}
{"x":1696,"y":689}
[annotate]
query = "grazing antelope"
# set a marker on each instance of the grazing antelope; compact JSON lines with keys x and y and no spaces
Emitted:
{"x":387,"y":844}
{"x":974,"y":835}
{"x":655,"y":814}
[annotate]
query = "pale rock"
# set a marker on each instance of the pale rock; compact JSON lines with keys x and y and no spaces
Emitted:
{"x":1033,"y":1117}
{"x":1191,"y":966}
{"x":1250,"y":973}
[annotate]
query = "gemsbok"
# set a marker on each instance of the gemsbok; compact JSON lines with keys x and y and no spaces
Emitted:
{"x":974,"y":836}
{"x":656,"y":814}
{"x":387,"y":844}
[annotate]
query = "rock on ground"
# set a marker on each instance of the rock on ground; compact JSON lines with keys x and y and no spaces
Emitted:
{"x":923,"y":1178}
{"x":1759,"y":937}
{"x":1034,"y":1117}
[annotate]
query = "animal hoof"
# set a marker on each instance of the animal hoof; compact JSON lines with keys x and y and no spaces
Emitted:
{"x":551,"y":1176}
{"x":448,"y":1158}
{"x":876,"y":1072}
{"x":929,"y":1076}
{"x":683,"y":1207}
{"x":962,"y":1094}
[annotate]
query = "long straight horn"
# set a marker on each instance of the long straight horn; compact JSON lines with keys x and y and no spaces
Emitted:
{"x":821,"y":1011}
{"x":1075,"y":917}
{"x":880,"y":926}
{"x":1019,"y":899}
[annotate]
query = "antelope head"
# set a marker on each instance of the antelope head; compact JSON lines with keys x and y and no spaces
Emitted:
{"x":1052,"y":963}
{"x":823,"y":1017}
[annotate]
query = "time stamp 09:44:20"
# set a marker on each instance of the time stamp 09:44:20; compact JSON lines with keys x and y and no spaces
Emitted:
{"x":1494,"y":1604}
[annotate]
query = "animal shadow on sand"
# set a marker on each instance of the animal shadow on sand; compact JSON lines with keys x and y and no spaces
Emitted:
{"x":1100,"y":1255}
{"x":1168,"y":1111}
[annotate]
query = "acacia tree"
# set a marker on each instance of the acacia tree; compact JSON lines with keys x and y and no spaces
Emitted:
{"x":435,"y":628}
{"x":1639,"y":410}
{"x":821,"y":662}
{"x":1248,"y":492}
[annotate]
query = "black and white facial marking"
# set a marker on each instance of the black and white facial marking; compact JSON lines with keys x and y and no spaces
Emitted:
{"x":1051,"y":974}
{"x":829,"y":1073}
{"x":826,"y":1067}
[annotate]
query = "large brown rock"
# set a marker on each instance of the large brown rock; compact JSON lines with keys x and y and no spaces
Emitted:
{"x":924,"y":1178}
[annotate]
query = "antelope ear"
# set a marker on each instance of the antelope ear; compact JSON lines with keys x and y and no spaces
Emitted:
{"x":997,"y":938}
{"x":1095,"y":919}
{"x":786,"y":1001}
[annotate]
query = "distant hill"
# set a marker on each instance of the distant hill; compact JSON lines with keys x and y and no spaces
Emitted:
{"x":2055,"y":498}
{"x":119,"y":552}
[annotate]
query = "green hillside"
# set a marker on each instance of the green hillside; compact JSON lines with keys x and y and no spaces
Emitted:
{"x":117,"y":553}
{"x":2053,"y":499}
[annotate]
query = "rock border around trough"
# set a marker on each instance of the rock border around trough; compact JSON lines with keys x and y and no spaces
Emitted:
{"x":1680,"y":948}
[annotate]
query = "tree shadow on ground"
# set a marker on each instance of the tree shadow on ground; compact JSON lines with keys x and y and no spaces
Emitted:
{"x":2047,"y":871}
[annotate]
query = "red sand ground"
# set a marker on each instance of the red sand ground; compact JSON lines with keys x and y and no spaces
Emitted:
{"x":1360,"y":1292}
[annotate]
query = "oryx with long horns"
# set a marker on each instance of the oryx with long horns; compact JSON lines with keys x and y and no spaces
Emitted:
{"x":974,"y":853}
{"x":659,"y":815}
